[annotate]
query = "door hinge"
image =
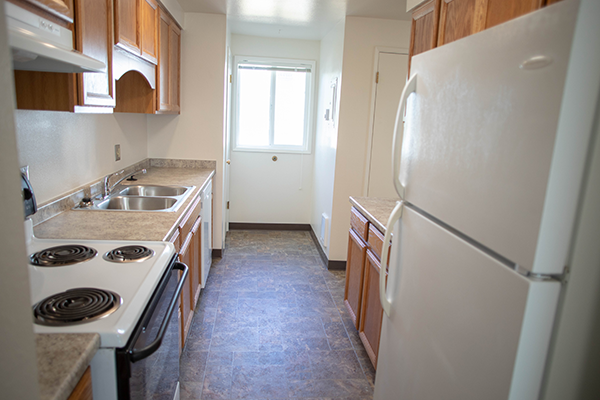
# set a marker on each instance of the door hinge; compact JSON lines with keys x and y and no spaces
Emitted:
{"x":230,"y":78}
{"x":228,"y":205}
{"x":377,"y":78}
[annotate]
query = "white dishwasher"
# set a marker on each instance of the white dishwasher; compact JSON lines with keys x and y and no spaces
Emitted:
{"x":206,"y":214}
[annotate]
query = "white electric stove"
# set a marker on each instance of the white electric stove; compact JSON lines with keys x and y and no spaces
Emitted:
{"x":122,"y":290}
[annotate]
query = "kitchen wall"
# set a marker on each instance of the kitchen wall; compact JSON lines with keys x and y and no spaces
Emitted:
{"x":67,"y":150}
{"x":361,"y":36}
{"x":198,"y":132}
{"x":18,"y":369}
{"x":332,"y":46}
{"x":262,"y":190}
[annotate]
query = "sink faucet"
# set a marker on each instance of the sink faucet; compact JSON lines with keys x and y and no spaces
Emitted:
{"x":108,"y":188}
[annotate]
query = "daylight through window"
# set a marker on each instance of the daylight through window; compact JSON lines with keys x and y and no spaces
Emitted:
{"x":273,"y":103}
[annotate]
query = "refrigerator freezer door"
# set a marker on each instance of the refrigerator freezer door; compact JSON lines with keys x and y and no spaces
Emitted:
{"x":462,"y":325}
{"x":480,"y":131}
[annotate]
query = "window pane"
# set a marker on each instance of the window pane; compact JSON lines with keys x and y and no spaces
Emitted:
{"x":254,"y":104}
{"x":290,"y":95}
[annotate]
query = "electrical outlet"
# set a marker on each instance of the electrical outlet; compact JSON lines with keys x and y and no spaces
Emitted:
{"x":117,"y":152}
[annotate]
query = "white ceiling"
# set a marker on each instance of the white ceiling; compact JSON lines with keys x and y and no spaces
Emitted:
{"x":298,"y":19}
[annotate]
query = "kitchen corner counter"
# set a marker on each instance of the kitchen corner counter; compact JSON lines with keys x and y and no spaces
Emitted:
{"x":62,"y":358}
{"x":128,"y":225}
{"x":376,"y":210}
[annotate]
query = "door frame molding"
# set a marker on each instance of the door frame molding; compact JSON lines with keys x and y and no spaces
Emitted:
{"x":378,"y":51}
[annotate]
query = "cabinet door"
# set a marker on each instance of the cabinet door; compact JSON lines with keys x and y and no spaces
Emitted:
{"x":499,"y":11}
{"x":424,"y":28}
{"x":149,"y":30}
{"x":371,"y":311}
{"x":355,"y":267}
{"x":186,"y":257}
{"x":460,"y":18}
{"x":127,"y":30}
{"x":93,"y":32}
{"x":174,"y":66}
{"x":162,"y":89}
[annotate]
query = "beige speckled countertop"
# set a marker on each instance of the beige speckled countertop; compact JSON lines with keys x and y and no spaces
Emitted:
{"x":62,"y":358}
{"x":376,"y":210}
{"x":130,"y":225}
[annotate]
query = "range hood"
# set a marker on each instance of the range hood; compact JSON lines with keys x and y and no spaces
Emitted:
{"x":38,"y":44}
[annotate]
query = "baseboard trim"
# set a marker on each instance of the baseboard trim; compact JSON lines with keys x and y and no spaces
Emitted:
{"x":336,"y":265}
{"x":319,"y":248}
{"x":331,"y":265}
{"x":249,"y":226}
{"x":217,"y":253}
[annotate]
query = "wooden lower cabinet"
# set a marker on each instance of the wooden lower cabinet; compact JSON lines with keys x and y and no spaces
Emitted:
{"x":355,"y":267}
{"x":83,"y":390}
{"x":371,"y":311}
{"x":187,"y":311}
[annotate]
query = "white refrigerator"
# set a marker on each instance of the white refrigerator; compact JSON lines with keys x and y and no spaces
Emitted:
{"x":489,"y":170}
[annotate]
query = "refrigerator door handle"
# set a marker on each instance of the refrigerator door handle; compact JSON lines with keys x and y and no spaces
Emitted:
{"x":410,"y":87}
{"x":396,"y":214}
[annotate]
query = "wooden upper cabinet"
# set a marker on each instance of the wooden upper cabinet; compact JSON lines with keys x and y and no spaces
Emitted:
{"x":53,"y":91}
{"x":424,"y":27}
{"x":168,"y":66}
{"x":127,"y":35}
{"x":94,"y":38}
{"x":149,"y":22}
{"x":136,"y":27}
{"x":461,"y":18}
{"x":499,"y":11}
{"x":163,"y":64}
{"x":174,"y":66}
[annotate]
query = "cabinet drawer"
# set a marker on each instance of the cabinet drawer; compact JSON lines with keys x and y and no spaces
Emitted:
{"x":359,"y":223}
{"x":376,"y":242}
{"x":185,"y":227}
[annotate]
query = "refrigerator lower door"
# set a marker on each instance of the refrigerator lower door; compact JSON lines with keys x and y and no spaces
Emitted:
{"x":462,"y":325}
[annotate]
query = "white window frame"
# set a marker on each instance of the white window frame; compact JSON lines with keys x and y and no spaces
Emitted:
{"x":308,"y":106}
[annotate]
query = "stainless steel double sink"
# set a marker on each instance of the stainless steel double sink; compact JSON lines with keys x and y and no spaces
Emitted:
{"x":142,"y":198}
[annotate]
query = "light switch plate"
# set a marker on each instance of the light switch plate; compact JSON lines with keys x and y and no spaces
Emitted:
{"x":117,"y":152}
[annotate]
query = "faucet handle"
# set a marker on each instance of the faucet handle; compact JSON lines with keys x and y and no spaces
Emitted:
{"x":133,"y":178}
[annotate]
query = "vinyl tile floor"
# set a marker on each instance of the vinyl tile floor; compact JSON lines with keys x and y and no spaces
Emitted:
{"x":271,"y":324}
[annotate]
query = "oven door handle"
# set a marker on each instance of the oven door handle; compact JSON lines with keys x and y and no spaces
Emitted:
{"x":137,"y":355}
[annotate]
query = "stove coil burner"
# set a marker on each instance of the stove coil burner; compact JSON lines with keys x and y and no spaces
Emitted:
{"x":134,"y":253}
{"x":62,"y":255}
{"x":75,"y":306}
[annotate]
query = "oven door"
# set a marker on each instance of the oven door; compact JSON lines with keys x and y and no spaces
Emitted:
{"x":148,"y":367}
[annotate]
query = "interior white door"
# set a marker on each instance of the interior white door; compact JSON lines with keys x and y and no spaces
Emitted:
{"x":462,"y":325}
{"x":392,"y":69}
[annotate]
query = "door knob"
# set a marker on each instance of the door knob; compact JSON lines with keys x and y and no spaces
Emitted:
{"x":228,"y":161}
